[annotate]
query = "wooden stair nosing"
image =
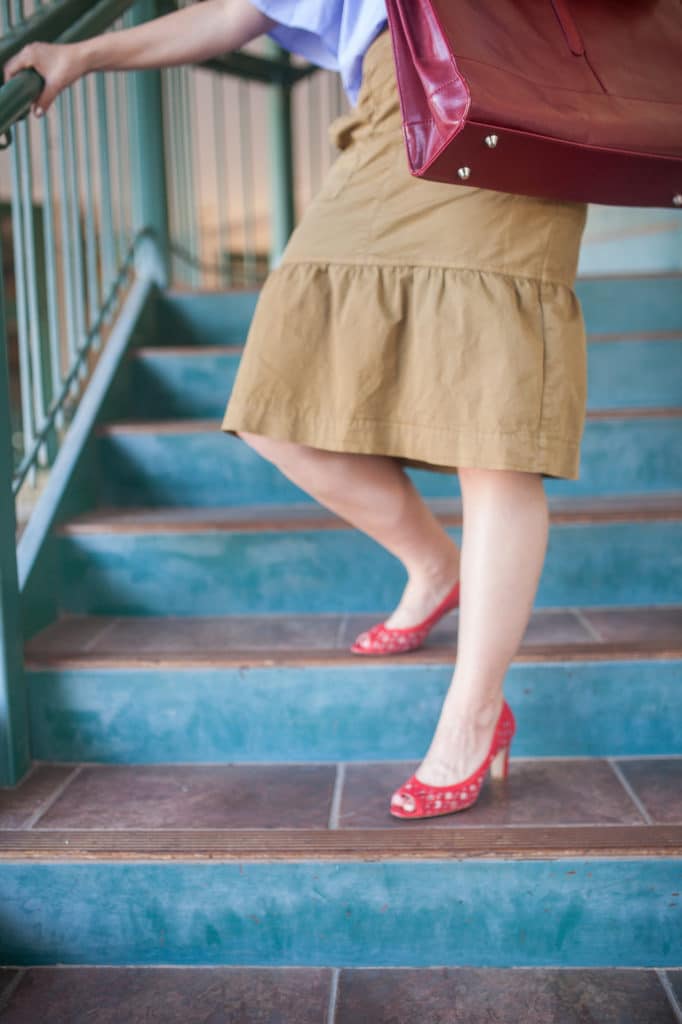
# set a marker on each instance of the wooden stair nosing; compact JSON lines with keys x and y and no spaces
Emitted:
{"x":265,"y":519}
{"x":337,"y":657}
{"x":208,"y":425}
{"x":184,"y":350}
{"x":413,"y":842}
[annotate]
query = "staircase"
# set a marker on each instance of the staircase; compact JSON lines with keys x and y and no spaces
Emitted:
{"x":205,"y":830}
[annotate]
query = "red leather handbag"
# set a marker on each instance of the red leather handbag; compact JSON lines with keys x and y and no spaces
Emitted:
{"x":568,"y":99}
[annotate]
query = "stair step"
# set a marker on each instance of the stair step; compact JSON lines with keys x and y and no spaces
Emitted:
{"x":631,"y":302}
{"x":193,"y":462}
{"x":249,"y":688}
{"x":309,"y":995}
{"x":304,"y":865}
{"x":161,"y":562}
{"x":176,"y":382}
{"x":206,"y":317}
{"x":554,"y":634}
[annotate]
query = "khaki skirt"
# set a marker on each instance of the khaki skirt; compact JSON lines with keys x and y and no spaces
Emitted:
{"x":430,"y":322}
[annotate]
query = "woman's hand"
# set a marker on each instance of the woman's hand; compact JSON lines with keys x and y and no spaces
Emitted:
{"x":60,"y":64}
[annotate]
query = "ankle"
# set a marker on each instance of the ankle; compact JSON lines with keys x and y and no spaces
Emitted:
{"x":437,"y":572}
{"x":475,"y":713}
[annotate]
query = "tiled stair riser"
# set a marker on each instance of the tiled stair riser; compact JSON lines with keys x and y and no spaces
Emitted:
{"x":631,"y":304}
{"x":620,"y":374}
{"x":215,"y":572}
{"x":478,"y":912}
{"x":343,"y":713}
{"x":208,"y":467}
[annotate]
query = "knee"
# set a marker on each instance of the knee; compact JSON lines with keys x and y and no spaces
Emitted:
{"x":284,"y":454}
{"x":265,"y":446}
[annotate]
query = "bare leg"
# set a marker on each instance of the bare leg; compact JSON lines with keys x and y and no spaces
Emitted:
{"x":373,"y":493}
{"x":506,"y":528}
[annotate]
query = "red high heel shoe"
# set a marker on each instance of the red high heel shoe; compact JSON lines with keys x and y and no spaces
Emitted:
{"x":416,"y":799}
{"x":383,"y":639}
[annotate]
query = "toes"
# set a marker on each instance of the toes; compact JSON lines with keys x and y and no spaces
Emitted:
{"x":404,"y":802}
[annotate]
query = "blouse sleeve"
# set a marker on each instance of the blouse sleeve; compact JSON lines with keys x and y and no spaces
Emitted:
{"x":303,"y":27}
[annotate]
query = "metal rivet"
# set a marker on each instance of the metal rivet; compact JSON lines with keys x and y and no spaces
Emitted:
{"x":491,"y":141}
{"x":677,"y":200}
{"x":464,"y":173}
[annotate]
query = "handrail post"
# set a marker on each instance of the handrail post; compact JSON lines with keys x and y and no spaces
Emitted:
{"x":14,"y":735}
{"x":281,"y":162}
{"x":148,"y":171}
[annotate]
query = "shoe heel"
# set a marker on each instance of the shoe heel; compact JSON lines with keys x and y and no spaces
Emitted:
{"x":499,"y":766}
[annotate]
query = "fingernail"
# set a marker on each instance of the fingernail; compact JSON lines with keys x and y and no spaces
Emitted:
{"x":39,"y":111}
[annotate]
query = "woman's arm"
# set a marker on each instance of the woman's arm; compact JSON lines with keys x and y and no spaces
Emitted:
{"x":193,"y":33}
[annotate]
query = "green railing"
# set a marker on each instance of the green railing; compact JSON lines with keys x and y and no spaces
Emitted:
{"x":181,"y":177}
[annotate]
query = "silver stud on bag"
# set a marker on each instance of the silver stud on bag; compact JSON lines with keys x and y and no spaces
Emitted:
{"x":677,"y":200}
{"x":491,"y":141}
{"x":464,"y":173}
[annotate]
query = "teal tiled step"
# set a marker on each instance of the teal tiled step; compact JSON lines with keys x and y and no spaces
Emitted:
{"x":182,"y":383}
{"x":567,"y":911}
{"x":189,"y":570}
{"x":204,"y":318}
{"x":612,"y":305}
{"x":341,"y":712}
{"x":198,"y":464}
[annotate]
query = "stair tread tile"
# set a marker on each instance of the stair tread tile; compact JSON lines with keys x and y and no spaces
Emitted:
{"x":194,"y":796}
{"x":474,"y":995}
{"x":177,"y":995}
{"x":7,"y":977}
{"x":658,"y":784}
{"x":541,"y":792}
{"x":19,"y":805}
{"x":647,"y":625}
{"x":675,"y":979}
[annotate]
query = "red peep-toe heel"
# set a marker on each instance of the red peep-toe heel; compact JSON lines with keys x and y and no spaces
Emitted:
{"x":383,"y":639}
{"x":416,"y":799}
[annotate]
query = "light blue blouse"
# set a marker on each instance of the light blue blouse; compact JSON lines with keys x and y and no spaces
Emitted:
{"x":333,"y":34}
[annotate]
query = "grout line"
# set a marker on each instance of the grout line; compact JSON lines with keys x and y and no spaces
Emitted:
{"x":8,"y":992}
{"x":340,"y":631}
{"x":53,"y":799}
{"x":333,"y":996}
{"x":586,"y":624}
{"x":672,"y":998}
{"x":97,"y":636}
{"x":630,"y":791}
{"x":336,"y":796}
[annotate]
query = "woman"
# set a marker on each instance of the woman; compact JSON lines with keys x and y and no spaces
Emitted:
{"x":409,"y":323}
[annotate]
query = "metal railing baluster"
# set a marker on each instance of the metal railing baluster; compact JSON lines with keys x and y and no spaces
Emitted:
{"x":50,"y":269}
{"x":65,"y":234}
{"x":249,"y":255}
{"x":107,"y":230}
{"x":93,"y":289}
{"x":31,"y":281}
{"x":222,"y":182}
{"x":76,"y":253}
